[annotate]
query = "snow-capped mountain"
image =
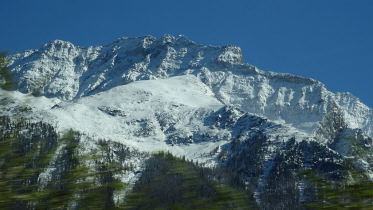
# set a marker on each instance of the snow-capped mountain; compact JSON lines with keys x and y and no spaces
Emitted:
{"x":60,"y":69}
{"x":201,"y":102}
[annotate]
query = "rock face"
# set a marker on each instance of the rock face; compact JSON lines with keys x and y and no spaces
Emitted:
{"x":60,"y":69}
{"x":63,"y":70}
{"x":198,"y":101}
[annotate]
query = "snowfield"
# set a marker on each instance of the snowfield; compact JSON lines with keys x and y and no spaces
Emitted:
{"x":131,"y":114}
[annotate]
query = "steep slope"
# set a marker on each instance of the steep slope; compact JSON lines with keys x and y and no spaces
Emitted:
{"x":148,"y":115}
{"x":60,"y":69}
{"x":179,"y":114}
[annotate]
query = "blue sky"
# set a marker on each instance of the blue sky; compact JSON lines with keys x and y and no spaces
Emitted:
{"x":328,"y":40}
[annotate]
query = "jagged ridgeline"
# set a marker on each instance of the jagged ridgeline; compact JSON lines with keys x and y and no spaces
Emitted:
{"x":42,"y":170}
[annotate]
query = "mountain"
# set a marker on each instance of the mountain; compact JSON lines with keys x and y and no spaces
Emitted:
{"x":197,"y":101}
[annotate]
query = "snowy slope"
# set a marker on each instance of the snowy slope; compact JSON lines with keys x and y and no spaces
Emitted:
{"x":63,"y":70}
{"x":144,"y":114}
{"x":179,"y":114}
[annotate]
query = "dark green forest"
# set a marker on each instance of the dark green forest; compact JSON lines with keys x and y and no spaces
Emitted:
{"x":23,"y":158}
{"x":173,"y":183}
{"x":340,"y":195}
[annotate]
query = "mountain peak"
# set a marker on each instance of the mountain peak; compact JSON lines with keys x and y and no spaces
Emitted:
{"x":232,"y":55}
{"x":58,"y":44}
{"x":179,"y":39}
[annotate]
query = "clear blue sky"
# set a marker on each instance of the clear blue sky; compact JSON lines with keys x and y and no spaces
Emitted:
{"x":329,"y":40}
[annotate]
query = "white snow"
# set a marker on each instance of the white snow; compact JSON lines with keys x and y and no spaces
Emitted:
{"x":61,"y":69}
{"x":140,"y":103}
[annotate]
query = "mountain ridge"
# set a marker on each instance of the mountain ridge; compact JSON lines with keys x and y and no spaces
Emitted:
{"x":60,"y":69}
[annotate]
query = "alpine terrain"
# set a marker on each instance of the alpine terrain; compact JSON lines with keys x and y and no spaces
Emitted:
{"x":136,"y":99}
